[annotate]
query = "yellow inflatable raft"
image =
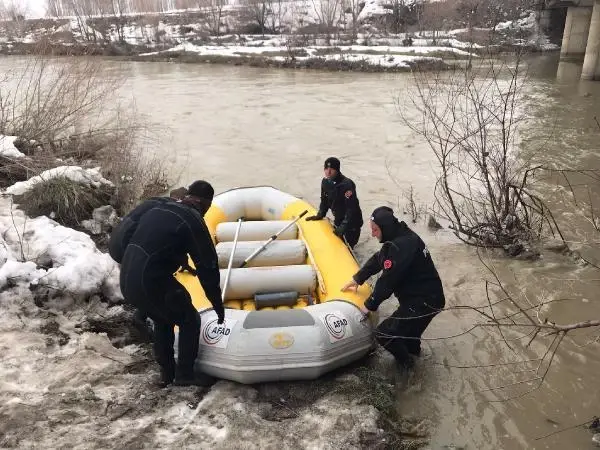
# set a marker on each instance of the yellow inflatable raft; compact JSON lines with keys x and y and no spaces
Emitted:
{"x":286,"y":316}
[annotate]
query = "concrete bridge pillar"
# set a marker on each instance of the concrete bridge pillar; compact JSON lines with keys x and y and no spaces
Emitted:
{"x":575,"y":36}
{"x":591,"y":63}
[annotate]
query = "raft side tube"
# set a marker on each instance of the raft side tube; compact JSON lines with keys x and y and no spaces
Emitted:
{"x":297,"y":344}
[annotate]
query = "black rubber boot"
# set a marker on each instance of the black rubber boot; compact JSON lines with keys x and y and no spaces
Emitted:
{"x":414,"y":350}
{"x":166,"y":377}
{"x":404,"y":372}
{"x":139,"y":318}
{"x":405,"y":364}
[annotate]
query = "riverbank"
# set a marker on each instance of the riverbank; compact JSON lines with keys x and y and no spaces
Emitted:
{"x":334,"y":58}
{"x":301,"y":43}
{"x":356,"y":58}
{"x":273,"y":53}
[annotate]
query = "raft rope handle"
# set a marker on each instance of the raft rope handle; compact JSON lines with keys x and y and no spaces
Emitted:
{"x":311,"y":258}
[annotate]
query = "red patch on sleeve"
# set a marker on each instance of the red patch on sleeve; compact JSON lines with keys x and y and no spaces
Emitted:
{"x":387,"y":264}
{"x":348,"y":194}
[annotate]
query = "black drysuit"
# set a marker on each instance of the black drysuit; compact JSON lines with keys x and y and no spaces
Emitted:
{"x":409,"y":273}
{"x":121,"y":234}
{"x":339,"y":195}
{"x":165,"y":234}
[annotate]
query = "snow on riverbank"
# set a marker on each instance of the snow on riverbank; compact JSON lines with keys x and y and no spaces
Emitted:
{"x":295,"y":21}
{"x":312,"y":51}
{"x":89,"y":177}
{"x":379,"y":56}
{"x":40,"y":254}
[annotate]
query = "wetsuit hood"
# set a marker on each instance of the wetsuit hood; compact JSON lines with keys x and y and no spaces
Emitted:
{"x":388,"y":223}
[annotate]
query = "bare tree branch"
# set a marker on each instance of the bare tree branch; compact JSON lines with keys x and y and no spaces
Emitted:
{"x":470,"y":118}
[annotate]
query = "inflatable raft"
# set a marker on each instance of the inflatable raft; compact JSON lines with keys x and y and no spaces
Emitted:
{"x":286,"y":317}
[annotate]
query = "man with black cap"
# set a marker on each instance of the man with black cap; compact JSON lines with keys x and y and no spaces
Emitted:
{"x":338,"y":193}
{"x":166,"y":233}
{"x":408,"y":273}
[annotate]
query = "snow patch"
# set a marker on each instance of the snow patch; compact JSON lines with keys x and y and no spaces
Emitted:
{"x":372,"y":8}
{"x":7,"y":147}
{"x":41,"y":253}
{"x":383,"y":56}
{"x":528,"y":22}
{"x":19,"y":272}
{"x":88,"y":177}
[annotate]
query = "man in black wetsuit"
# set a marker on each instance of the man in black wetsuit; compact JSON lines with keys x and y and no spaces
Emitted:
{"x":338,"y":193}
{"x":408,"y":273}
{"x":166,"y":232}
{"x":121,"y":235}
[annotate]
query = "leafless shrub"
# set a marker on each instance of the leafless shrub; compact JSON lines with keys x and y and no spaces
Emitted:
{"x":328,"y":15}
{"x":136,"y":171}
{"x":258,"y":12}
{"x":65,"y":111}
{"x":470,"y":120}
{"x":14,"y":10}
{"x":411,"y":206}
{"x":352,"y":8}
{"x":50,"y":99}
{"x":214,"y":13}
{"x":524,"y":320}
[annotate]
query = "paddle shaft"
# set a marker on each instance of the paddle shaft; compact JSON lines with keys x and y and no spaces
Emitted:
{"x":275,"y":236}
{"x":237,"y":232}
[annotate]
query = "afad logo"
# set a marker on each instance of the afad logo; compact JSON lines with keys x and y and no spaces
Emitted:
{"x":213,"y":332}
{"x":336,"y":325}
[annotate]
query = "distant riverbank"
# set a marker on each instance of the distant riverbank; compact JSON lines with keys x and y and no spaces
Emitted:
{"x":183,"y":37}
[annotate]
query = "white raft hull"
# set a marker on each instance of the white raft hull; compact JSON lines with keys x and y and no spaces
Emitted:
{"x":297,"y":344}
{"x":323,"y":331}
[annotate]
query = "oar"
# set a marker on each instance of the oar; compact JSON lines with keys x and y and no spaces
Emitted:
{"x":275,"y":236}
{"x":237,"y":232}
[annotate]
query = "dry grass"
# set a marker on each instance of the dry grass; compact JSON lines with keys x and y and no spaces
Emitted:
{"x":66,"y":201}
{"x":135,"y":171}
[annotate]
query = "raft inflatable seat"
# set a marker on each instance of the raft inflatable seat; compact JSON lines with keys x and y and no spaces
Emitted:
{"x":286,"y":317}
{"x":277,"y":299}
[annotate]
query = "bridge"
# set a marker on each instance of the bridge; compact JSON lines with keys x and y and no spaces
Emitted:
{"x":581,"y":34}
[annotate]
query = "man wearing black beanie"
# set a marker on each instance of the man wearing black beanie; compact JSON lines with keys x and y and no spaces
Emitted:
{"x":164,"y":235}
{"x":338,"y":193}
{"x":408,"y":272}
